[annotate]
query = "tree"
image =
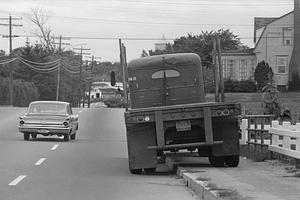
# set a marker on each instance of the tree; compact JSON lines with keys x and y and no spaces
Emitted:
{"x":201,"y":44}
{"x":262,"y":74}
{"x":270,"y":96}
{"x":40,"y":19}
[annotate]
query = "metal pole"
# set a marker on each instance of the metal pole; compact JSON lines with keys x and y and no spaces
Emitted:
{"x":58,"y":83}
{"x":216,"y":77}
{"x":122,"y":59}
{"x":220,"y":70}
{"x":10,"y":64}
{"x":80,"y":71}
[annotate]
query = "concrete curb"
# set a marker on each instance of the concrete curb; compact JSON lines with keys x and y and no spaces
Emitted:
{"x":199,"y":187}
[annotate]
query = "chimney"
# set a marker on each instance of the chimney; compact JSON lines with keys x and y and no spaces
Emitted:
{"x":295,"y":59}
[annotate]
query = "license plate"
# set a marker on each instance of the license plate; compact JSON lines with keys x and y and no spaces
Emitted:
{"x":43,"y":131}
{"x":183,"y":125}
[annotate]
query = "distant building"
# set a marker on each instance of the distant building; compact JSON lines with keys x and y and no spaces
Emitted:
{"x":277,"y":42}
{"x":100,"y":90}
{"x":238,"y":64}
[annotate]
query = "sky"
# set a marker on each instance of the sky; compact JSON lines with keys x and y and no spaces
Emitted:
{"x":97,"y":24}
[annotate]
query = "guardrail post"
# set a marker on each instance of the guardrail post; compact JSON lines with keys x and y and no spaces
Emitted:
{"x":275,"y":138}
{"x":244,"y":131}
{"x":286,"y":142}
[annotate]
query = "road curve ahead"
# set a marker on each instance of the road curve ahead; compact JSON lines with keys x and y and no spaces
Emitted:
{"x":92,"y":167}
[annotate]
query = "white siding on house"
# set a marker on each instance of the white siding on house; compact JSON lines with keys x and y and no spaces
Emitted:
{"x":276,"y":45}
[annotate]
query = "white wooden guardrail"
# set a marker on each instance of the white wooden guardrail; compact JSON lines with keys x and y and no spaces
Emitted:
{"x":285,"y":139}
{"x":253,"y":129}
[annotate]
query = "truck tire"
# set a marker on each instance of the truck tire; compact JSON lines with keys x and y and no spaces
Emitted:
{"x":66,"y":137}
{"x":150,"y":170}
{"x":232,"y":161}
{"x":73,"y":136}
{"x":26,"y":136}
{"x":216,"y":161}
{"x":136,"y":171}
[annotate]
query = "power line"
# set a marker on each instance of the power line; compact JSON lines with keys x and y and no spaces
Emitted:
{"x":194,"y":3}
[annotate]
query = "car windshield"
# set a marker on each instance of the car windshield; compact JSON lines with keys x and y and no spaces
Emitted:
{"x":47,"y":108}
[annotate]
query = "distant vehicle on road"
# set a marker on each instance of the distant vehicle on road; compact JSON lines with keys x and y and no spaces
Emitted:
{"x":49,"y":118}
{"x":99,"y":104}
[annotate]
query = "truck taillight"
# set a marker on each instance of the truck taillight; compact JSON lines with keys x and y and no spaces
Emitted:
{"x":66,"y":124}
{"x":143,"y":118}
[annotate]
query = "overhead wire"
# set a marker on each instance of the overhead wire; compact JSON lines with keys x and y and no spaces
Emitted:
{"x":3,"y":62}
{"x":39,"y":63}
{"x":39,"y":69}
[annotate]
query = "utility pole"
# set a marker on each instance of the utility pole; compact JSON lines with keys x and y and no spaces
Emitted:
{"x":124,"y":69}
{"x":58,"y":83}
{"x":215,"y":68}
{"x":10,"y":36}
{"x":58,"y":70}
{"x":60,"y":43}
{"x":80,"y":71}
{"x":90,"y":77}
{"x":220,"y":70}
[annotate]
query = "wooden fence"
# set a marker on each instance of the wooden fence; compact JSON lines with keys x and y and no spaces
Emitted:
{"x":261,"y":130}
{"x":254,"y":129}
{"x":285,"y":139}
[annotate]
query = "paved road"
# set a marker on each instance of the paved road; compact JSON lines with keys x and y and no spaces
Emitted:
{"x":92,"y":167}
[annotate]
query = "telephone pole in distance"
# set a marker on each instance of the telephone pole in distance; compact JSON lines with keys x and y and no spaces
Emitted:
{"x":10,"y":36}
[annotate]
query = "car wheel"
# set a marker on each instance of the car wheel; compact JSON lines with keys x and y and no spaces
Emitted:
{"x":73,"y":136}
{"x":33,"y":135}
{"x":232,"y":161}
{"x":66,"y":137}
{"x":216,"y":161}
{"x":26,"y":136}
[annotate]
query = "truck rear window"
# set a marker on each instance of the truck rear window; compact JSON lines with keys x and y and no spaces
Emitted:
{"x":169,"y":73}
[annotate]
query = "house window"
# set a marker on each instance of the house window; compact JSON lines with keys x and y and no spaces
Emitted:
{"x":243,"y":69}
{"x":229,"y":70}
{"x":224,"y":68}
{"x":287,"y":36}
{"x":281,"y":64}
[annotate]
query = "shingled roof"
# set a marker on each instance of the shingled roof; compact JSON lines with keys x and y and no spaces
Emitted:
{"x":260,"y":22}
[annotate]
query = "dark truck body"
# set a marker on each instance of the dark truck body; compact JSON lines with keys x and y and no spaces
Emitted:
{"x":168,"y":112}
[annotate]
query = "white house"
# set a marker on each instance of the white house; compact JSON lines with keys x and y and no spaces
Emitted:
{"x":98,"y":87}
{"x":275,"y":46}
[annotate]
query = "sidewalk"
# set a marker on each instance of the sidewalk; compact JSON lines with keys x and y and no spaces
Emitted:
{"x":269,"y":180}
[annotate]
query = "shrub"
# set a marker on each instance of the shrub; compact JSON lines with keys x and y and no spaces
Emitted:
{"x":239,"y":86}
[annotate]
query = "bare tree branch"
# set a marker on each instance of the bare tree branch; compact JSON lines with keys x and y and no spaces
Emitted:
{"x":40,"y":19}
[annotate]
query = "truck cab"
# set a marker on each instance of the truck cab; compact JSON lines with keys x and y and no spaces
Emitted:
{"x":165,"y":80}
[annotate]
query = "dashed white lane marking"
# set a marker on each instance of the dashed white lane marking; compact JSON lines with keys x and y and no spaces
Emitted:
{"x":40,"y":161}
{"x":54,"y":147}
{"x":17,"y":180}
